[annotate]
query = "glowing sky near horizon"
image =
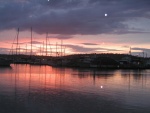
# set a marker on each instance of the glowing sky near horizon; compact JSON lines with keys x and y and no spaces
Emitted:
{"x":83,"y":25}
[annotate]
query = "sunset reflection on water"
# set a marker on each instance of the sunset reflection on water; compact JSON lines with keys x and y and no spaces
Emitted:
{"x":72,"y":88}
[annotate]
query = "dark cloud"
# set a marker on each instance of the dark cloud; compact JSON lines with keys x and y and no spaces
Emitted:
{"x":61,"y":36}
{"x":77,"y":48}
{"x":4,"y":50}
{"x":141,"y":49}
{"x":89,"y":44}
{"x":72,"y":16}
{"x":126,"y":46}
{"x":35,"y":42}
{"x":20,"y":43}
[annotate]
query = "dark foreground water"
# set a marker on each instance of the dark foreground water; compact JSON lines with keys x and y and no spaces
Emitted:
{"x":43,"y":89}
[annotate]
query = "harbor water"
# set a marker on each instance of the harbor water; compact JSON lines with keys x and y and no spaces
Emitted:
{"x":46,"y":89}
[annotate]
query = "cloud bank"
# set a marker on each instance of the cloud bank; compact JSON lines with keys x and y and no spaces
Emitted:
{"x":71,"y":17}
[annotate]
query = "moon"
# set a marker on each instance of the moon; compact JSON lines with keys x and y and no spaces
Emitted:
{"x":106,"y":14}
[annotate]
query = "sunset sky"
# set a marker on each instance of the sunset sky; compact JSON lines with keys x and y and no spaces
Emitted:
{"x":84,"y":26}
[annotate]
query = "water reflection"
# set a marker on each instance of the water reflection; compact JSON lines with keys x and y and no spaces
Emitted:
{"x":43,"y":89}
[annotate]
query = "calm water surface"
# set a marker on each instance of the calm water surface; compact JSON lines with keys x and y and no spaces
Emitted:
{"x":44,"y":89}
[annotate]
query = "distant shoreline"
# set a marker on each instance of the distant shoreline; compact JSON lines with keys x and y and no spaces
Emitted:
{"x":97,"y":61}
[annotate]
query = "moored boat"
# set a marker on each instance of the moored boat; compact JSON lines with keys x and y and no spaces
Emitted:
{"x":4,"y":62}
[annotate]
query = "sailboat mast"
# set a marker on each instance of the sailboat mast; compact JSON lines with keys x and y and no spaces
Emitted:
{"x":64,"y":50}
{"x":40,"y":50}
{"x":56,"y":49}
{"x":12,"y":50}
{"x":26,"y":49}
{"x":31,"y":42}
{"x":19,"y":50}
{"x":61,"y":47}
{"x":50,"y":49}
{"x":46,"y":43}
{"x":130,"y":51}
{"x":17,"y":42}
{"x":43,"y":49}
